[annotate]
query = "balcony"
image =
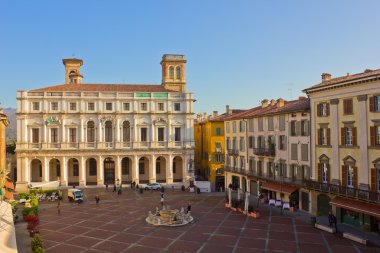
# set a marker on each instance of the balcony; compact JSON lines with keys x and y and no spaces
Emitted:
{"x":233,"y":152}
{"x":264,"y":151}
{"x":348,"y":192}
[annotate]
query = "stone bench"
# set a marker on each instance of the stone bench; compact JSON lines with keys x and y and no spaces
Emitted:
{"x":355,"y":238}
{"x":331,"y":230}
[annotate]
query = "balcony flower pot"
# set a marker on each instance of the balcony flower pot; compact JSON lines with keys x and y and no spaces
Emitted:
{"x":255,"y":215}
{"x":233,"y":209}
{"x":226,"y":205}
{"x":293,"y":209}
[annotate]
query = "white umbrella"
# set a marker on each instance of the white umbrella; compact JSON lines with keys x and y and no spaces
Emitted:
{"x":246,"y":201}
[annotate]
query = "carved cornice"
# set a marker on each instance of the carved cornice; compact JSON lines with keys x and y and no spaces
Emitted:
{"x":362,"y":98}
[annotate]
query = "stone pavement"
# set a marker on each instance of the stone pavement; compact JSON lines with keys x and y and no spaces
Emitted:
{"x":118,"y":225}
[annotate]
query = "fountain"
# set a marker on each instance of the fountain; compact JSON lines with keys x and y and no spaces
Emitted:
{"x":169,"y":217}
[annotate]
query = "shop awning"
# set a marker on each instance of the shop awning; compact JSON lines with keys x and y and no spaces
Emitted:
{"x":271,"y":186}
{"x":357,"y":206}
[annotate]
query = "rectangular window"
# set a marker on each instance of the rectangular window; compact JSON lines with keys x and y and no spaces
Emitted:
{"x":126,"y":106}
{"x":305,"y":128}
{"x":143,"y":106}
{"x":177,"y":134}
{"x":270,"y":123}
{"x":242,"y":146}
{"x":347,"y":106}
{"x":218,"y":131}
{"x":73,"y":106}
{"x":250,"y":142}
{"x":92,"y":165}
{"x":91,"y":106}
{"x":261,"y":124}
{"x":35,"y":135}
{"x":293,"y":128}
{"x":323,"y":133}
{"x":177,"y":107}
{"x":76,"y":170}
{"x":323,"y":109}
{"x":282,"y":142}
{"x":350,"y":176}
{"x":158,"y":167}
{"x":282,"y":122}
{"x":234,"y":127}
{"x":109,"y":106}
{"x":72,"y":135}
{"x":36,"y":106}
{"x":218,"y":158}
{"x":377,"y":135}
{"x":54,"y":135}
{"x":234,"y":143}
{"x":54,"y":106}
{"x":294,"y":151}
{"x":228,"y":144}
{"x":143,"y":134}
{"x":348,"y":136}
{"x":141,"y":167}
{"x":228,"y":127}
{"x":250,"y":125}
{"x":324,"y":172}
{"x":218,"y":147}
{"x":160,"y":106}
{"x":241,"y":126}
{"x":160,"y":134}
{"x":304,"y":152}
{"x":242,"y":162}
{"x":376,"y":103}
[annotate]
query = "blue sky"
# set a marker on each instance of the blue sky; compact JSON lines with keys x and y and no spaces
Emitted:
{"x":238,"y":52}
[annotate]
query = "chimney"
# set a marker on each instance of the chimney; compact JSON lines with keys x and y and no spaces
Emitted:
{"x":215,"y":113}
{"x":272,"y":102}
{"x":264,"y":103}
{"x":301,"y":97}
{"x":368,"y":70}
{"x":227,"y":108}
{"x":280,"y":102}
{"x":326,"y":77}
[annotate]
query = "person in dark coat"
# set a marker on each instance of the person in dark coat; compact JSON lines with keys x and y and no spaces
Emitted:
{"x":106,"y":186}
{"x":114,"y":188}
{"x":330,"y":218}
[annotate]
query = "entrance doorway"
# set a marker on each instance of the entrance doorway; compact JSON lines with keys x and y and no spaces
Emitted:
{"x":109,"y":171}
{"x":323,"y":204}
{"x":305,"y":201}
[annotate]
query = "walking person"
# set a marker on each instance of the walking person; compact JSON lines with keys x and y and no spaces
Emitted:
{"x":162,"y":200}
{"x":59,"y":207}
{"x":330,"y":219}
{"x":334,"y":222}
{"x":106,"y":186}
{"x":114,"y":188}
{"x":97,"y":199}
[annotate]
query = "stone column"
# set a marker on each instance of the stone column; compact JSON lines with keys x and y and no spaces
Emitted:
{"x":63,"y":132}
{"x":81,"y":131}
{"x":135,"y":169}
{"x":169,"y":169}
{"x":185,"y":164}
{"x":152,"y":169}
{"x":334,"y":131}
{"x":64,"y":173}
{"x":362,"y":137}
{"x":152,"y":138}
{"x":118,"y":169}
{"x":82,"y":172}
{"x":100,"y":172}
{"x":45,"y":170}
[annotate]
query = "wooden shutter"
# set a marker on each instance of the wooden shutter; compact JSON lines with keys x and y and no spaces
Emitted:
{"x":327,"y":109}
{"x":307,"y":127}
{"x":354,"y":136}
{"x":344,"y":175}
{"x":343,"y":136}
{"x":318,"y":110}
{"x":372,"y":104}
{"x":319,"y":136}
{"x":373,"y":135}
{"x":373,"y":180}
{"x":351,"y":107}
{"x":345,"y":103}
{"x":319,"y":172}
{"x":298,"y":128}
{"x":328,"y":136}
{"x":355,"y":177}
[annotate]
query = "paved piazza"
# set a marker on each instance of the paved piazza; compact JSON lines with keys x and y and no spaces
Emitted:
{"x":118,"y":225}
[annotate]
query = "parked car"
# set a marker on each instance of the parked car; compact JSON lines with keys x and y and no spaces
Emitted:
{"x":152,"y":186}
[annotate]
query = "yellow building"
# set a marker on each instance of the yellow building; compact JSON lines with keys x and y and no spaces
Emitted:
{"x":345,"y":139}
{"x":209,"y":149}
{"x":6,"y":185}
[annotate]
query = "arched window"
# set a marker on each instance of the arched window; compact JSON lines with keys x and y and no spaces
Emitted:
{"x":126,"y":131}
{"x":90,"y":131}
{"x":108,"y":132}
{"x":178,"y":72}
{"x":171,"y":72}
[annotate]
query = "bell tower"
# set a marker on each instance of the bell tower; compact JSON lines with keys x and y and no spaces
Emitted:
{"x":72,"y":69}
{"x":173,"y":72}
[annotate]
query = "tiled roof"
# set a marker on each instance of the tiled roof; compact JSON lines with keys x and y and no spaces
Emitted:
{"x":289,"y":106}
{"x":222,"y":117}
{"x":342,"y":79}
{"x":105,"y":87}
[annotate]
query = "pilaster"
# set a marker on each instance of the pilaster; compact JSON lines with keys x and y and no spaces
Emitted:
{"x":82,"y":172}
{"x":64,"y":172}
{"x":334,"y":131}
{"x":45,"y":170}
{"x":152,"y":169}
{"x":363,"y":169}
{"x":135,"y":169}
{"x":118,"y":169}
{"x":100,"y":172}
{"x":169,"y":169}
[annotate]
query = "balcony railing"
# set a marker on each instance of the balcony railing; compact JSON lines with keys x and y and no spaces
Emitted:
{"x":233,"y":152}
{"x":344,"y":191}
{"x":264,"y":151}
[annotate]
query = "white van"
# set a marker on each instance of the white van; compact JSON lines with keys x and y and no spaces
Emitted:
{"x":75,"y":195}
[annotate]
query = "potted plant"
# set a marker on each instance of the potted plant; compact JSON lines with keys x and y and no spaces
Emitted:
{"x":33,"y":222}
{"x":37,"y":245}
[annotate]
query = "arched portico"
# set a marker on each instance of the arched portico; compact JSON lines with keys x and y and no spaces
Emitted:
{"x":144,"y":170}
{"x":73,"y":171}
{"x":161,"y":169}
{"x":36,"y":170}
{"x":91,"y":171}
{"x":109,"y":170}
{"x":54,"y":170}
{"x":126,"y":170}
{"x":177,"y":169}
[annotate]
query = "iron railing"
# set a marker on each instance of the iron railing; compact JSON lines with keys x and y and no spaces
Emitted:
{"x":264,"y":151}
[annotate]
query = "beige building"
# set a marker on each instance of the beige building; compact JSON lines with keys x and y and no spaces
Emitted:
{"x":345,"y":136}
{"x":92,"y":134}
{"x":268,"y":149}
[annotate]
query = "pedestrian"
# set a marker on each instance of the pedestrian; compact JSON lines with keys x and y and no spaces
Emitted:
{"x":334,"y":221}
{"x":114,"y":188}
{"x":59,"y":207}
{"x":162,"y":200}
{"x":330,"y":218}
{"x":106,"y":186}
{"x":119,"y":191}
{"x":133,"y":185}
{"x":188,"y":207}
{"x":137,"y":186}
{"x":97,"y":199}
